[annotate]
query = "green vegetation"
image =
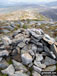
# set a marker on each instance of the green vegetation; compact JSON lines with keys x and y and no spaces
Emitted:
{"x":25,"y":26}
{"x":3,"y":74}
{"x":9,"y":61}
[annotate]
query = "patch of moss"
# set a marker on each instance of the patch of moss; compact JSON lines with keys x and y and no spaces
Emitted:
{"x":2,"y":74}
{"x":9,"y":61}
{"x":30,"y":69}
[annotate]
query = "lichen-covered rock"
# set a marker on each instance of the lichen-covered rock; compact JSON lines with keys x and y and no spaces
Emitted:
{"x":10,"y":70}
{"x":26,"y":58}
{"x":6,"y":40}
{"x":19,"y":66}
{"x":48,"y":61}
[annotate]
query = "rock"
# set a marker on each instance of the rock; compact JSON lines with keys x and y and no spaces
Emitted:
{"x":1,"y":58}
{"x":40,"y":49}
{"x":21,"y":44}
{"x":26,"y":58}
{"x":39,"y":57}
{"x":5,"y":31}
{"x":31,"y":53}
{"x":49,"y":53}
{"x":39,"y":64}
{"x":37,"y":43}
{"x":6,"y":40}
{"x":2,"y":47}
{"x":48,"y":39}
{"x":34,"y":73}
{"x":50,"y":68}
{"x":26,"y":40}
{"x":36,"y":37}
{"x":37,"y":69}
{"x":34,"y":48}
{"x":3,"y":64}
{"x":38,"y":31}
{"x":4,"y":53}
{"x":19,"y":66}
{"x":19,"y":74}
{"x":10,"y":70}
{"x":48,"y":61}
{"x":55,"y":43}
{"x":54,"y":49}
{"x":8,"y":27}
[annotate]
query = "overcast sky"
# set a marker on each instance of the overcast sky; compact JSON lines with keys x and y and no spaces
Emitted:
{"x":30,"y":1}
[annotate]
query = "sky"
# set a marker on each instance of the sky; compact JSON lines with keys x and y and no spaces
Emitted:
{"x":30,"y":1}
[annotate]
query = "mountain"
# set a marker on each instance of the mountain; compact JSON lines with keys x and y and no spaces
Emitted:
{"x":50,"y":4}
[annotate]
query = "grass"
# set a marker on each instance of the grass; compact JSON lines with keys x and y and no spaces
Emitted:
{"x":3,"y":74}
{"x":25,"y":26}
{"x":9,"y":61}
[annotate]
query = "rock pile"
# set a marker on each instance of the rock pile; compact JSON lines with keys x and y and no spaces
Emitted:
{"x":31,"y":51}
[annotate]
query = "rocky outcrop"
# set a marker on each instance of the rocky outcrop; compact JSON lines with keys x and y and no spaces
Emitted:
{"x":31,"y":51}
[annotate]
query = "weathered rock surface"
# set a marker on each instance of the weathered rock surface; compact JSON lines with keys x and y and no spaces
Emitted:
{"x":26,"y":58}
{"x":30,"y":51}
{"x":48,"y":61}
{"x":10,"y":70}
{"x":50,"y":68}
{"x":19,"y":66}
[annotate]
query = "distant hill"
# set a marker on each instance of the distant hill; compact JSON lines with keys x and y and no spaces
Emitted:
{"x":23,"y":14}
{"x":51,"y":4}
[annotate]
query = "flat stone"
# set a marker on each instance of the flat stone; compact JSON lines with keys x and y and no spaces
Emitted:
{"x":1,"y":58}
{"x":48,"y":39}
{"x":8,"y":27}
{"x":39,"y":57}
{"x":6,"y":40}
{"x":3,"y":64}
{"x":54,"y":49}
{"x":37,"y":69}
{"x":2,"y":47}
{"x":19,"y":66}
{"x":19,"y":74}
{"x":21,"y":44}
{"x":50,"y":68}
{"x":5,"y":31}
{"x":34,"y":48}
{"x":48,"y":61}
{"x":39,"y":64}
{"x":37,"y":43}
{"x":26,"y":58}
{"x":4,"y":53}
{"x":38,"y":31}
{"x":10,"y":70}
{"x":26,"y":40}
{"x":55,"y":43}
{"x":34,"y":73}
{"x":49,"y":53}
{"x":40,"y":49}
{"x":31,"y":52}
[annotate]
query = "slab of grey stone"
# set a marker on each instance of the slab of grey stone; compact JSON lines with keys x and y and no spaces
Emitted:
{"x":48,"y":61}
{"x":19,"y":66}
{"x":10,"y":70}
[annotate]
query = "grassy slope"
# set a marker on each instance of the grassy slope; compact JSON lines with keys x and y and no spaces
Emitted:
{"x":23,"y":14}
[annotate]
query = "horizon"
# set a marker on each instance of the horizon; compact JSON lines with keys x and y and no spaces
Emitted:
{"x":25,"y":1}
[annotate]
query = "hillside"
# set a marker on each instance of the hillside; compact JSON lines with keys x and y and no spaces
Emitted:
{"x":23,"y":15}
